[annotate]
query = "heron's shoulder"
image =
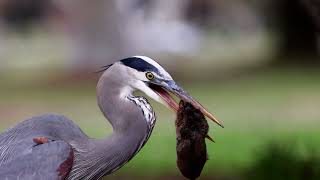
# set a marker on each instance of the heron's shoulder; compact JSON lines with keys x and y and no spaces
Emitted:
{"x":40,"y":122}
{"x":49,"y":117}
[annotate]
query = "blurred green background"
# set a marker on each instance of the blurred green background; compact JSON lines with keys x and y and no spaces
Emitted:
{"x":254,"y":64}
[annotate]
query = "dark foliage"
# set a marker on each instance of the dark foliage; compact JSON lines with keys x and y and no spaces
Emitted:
{"x":19,"y":14}
{"x":296,"y":22}
{"x":280,"y":161}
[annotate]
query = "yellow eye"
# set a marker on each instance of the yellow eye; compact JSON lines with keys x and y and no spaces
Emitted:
{"x":149,"y":75}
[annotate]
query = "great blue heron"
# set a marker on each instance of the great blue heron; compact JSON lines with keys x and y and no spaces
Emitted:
{"x":53,"y":147}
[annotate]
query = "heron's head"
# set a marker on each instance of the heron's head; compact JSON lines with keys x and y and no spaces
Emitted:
{"x":144,"y":74}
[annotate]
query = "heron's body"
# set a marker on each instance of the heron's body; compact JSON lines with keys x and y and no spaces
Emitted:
{"x":17,"y":145}
{"x":51,"y":147}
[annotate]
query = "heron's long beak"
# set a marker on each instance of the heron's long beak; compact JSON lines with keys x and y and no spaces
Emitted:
{"x":172,"y":87}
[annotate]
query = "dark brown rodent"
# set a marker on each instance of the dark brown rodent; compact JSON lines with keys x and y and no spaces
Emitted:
{"x":191,"y":130}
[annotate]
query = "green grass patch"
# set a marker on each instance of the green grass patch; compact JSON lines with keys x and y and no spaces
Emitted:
{"x":256,"y":109}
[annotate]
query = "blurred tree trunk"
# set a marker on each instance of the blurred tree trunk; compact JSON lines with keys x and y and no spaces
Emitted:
{"x":313,"y":8}
{"x":97,"y":33}
{"x":101,"y":32}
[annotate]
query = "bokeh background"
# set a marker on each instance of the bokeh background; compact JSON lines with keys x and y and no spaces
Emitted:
{"x":253,"y":63}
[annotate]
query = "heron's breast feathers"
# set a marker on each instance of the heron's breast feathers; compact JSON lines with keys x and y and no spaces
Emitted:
{"x":146,"y":108}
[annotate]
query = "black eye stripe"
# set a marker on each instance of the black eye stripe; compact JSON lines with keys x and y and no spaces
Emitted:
{"x":139,"y":64}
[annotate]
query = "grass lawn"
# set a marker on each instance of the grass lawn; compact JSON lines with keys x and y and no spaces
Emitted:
{"x":272,"y":105}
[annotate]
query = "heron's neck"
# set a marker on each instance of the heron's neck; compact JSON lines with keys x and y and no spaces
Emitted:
{"x":100,"y":157}
{"x":130,"y":128}
{"x":115,"y":102}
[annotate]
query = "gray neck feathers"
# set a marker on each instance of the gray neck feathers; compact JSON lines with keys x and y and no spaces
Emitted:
{"x":132,"y":119}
